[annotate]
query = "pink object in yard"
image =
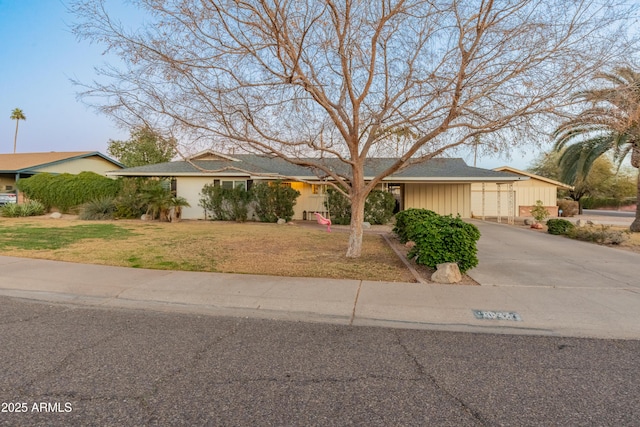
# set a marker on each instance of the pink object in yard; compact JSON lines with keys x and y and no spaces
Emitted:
{"x":323,"y":221}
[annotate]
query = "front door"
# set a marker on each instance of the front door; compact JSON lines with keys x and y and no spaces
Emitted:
{"x":398,"y":192}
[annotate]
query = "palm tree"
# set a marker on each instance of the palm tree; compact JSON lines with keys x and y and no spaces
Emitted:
{"x":611,"y":123}
{"x":17,"y":115}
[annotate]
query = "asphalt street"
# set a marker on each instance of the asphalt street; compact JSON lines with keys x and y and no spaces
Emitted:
{"x":78,"y":365}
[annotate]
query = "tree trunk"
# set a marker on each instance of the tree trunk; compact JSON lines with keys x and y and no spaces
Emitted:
{"x":635,"y":225}
{"x":15,"y":137}
{"x":357,"y":218}
{"x":635,"y":156}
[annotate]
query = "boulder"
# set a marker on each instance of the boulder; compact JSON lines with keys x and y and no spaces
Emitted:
{"x":55,"y":215}
{"x":447,"y":272}
{"x":581,"y":223}
{"x":528,"y":221}
{"x":281,"y":221}
{"x":366,"y":224}
{"x":145,"y":217}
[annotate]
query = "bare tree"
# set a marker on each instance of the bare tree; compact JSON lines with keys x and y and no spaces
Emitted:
{"x":308,"y":80}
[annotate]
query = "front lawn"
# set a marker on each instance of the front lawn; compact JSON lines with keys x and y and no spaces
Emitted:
{"x":250,"y":248}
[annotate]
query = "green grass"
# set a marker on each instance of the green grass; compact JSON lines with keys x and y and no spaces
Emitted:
{"x":28,"y":237}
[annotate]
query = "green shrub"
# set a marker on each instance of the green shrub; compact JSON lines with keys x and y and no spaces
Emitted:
{"x":10,"y":210}
{"x":130,"y":202}
{"x":225,"y":204}
{"x":407,"y":217}
{"x":30,"y":208}
{"x":67,"y":191}
{"x":599,"y":234}
{"x":378,"y":207}
{"x":274,"y":201}
{"x":441,"y":239}
{"x":559,"y":226}
{"x":98,"y":209}
{"x":597,"y":202}
{"x":339,"y":206}
{"x":539,"y":212}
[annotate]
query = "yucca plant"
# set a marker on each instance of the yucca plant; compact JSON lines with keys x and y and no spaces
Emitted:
{"x":98,"y":209}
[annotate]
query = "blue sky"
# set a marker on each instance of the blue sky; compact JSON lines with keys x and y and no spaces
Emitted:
{"x":39,"y":56}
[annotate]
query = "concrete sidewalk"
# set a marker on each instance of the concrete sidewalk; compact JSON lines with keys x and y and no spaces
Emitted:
{"x":603,"y":312}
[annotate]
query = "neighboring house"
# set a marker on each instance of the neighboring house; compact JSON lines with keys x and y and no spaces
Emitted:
{"x":518,"y":198}
{"x":441,"y":185}
{"x":23,"y":165}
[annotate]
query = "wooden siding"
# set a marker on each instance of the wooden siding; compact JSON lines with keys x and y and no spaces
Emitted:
{"x":444,"y":199}
{"x":526,"y":193}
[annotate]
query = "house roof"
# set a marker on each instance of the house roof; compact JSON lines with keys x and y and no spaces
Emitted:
{"x":534,"y":176}
{"x":254,"y":166}
{"x":31,"y":162}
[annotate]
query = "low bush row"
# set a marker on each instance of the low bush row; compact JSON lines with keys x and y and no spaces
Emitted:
{"x":268,"y":201}
{"x":438,"y":239}
{"x":14,"y":210}
{"x":601,"y":234}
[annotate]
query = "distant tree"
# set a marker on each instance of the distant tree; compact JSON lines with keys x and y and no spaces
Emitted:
{"x":602,"y":180}
{"x":610,"y":122}
{"x":306,"y":80}
{"x":546,"y":165}
{"x":17,"y":115}
{"x":144,"y":147}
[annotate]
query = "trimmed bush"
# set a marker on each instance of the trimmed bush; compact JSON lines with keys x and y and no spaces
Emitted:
{"x":98,"y":209}
{"x":274,"y":201}
{"x":441,"y":239}
{"x":30,"y":208}
{"x":569,"y":207}
{"x":408,"y":217}
{"x":559,"y":226}
{"x":67,"y":191}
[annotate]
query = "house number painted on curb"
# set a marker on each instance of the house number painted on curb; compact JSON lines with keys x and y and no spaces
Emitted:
{"x":497,"y":315}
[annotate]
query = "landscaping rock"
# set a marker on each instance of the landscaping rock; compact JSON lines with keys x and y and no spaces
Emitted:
{"x":281,"y":221}
{"x":55,"y":215}
{"x":366,"y":224}
{"x":528,"y":221}
{"x":447,"y":272}
{"x":581,"y":223}
{"x":410,"y":244}
{"x":145,"y":217}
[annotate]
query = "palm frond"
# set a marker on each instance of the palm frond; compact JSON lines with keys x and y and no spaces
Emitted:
{"x":577,"y":159}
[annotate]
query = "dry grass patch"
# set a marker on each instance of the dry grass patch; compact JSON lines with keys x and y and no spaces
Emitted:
{"x":633,"y":243}
{"x":249,"y":248}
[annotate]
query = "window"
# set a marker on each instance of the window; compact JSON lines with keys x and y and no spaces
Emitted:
{"x":318,"y":189}
{"x":230,"y":184}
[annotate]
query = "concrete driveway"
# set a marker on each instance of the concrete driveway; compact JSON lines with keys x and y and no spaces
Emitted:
{"x":521,"y":257}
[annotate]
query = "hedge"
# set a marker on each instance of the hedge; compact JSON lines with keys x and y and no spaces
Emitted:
{"x":66,"y":191}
